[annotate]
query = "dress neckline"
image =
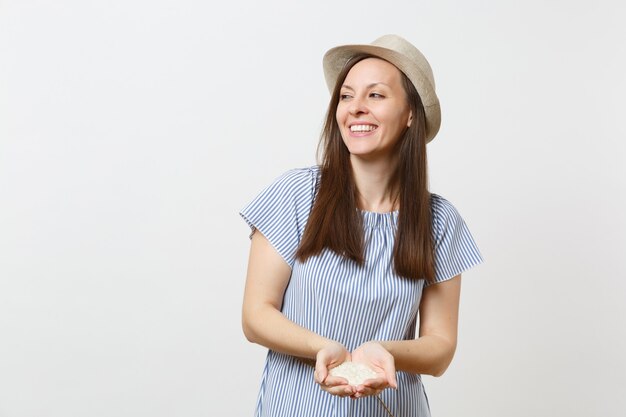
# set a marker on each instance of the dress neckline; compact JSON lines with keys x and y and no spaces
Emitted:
{"x":374,"y":219}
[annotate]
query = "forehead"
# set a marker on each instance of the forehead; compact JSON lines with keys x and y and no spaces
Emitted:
{"x":373,"y":70}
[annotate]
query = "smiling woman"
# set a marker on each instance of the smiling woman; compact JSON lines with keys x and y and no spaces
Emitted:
{"x":373,"y":110}
{"x":344,"y":255}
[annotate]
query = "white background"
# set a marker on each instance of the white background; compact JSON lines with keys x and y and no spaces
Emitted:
{"x":132,"y":132}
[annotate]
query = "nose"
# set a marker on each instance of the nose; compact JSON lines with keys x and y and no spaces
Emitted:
{"x":357,"y":106}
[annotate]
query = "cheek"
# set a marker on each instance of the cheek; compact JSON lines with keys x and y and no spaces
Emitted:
{"x":400,"y":119}
{"x":340,"y":114}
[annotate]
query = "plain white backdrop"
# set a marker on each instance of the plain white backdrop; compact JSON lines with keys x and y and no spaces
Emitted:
{"x":132,"y":132}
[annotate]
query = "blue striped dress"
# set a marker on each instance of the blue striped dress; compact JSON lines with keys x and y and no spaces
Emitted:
{"x":342,"y":301}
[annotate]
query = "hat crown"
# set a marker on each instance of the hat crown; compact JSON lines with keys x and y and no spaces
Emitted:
{"x":404,"y":47}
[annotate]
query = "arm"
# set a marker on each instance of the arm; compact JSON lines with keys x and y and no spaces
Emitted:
{"x":433,"y":351}
{"x":264,"y":323}
{"x":430,"y":354}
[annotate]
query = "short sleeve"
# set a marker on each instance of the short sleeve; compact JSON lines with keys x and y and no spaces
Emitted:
{"x":281,"y":210}
{"x":455,"y":248}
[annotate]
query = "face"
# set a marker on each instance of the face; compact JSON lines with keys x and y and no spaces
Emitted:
{"x":373,"y":111}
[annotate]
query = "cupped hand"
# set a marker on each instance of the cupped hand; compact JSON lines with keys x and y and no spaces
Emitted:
{"x":332,"y":355}
{"x":377,"y":358}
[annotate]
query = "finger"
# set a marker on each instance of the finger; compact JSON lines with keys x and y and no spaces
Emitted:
{"x":375,"y":383}
{"x":319,"y":377}
{"x":335,"y":381}
{"x":393,"y":381}
{"x":371,"y":387}
{"x":321,"y":372}
{"x":366,"y":392}
{"x":339,"y":390}
{"x":390,"y":371}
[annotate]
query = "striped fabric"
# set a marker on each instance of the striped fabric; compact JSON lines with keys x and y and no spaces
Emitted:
{"x":345,"y":302}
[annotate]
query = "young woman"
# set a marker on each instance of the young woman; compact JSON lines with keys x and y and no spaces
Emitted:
{"x":346,"y":254}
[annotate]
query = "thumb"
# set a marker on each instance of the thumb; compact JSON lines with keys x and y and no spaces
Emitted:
{"x":393,"y":382}
{"x":321,"y":372}
{"x":390,"y":371}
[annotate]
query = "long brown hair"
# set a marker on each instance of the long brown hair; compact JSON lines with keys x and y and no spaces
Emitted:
{"x":336,"y":224}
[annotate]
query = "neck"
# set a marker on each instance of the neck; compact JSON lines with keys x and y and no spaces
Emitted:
{"x":373,"y":183}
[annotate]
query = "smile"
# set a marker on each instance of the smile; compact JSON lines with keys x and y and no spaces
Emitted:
{"x":362,"y":128}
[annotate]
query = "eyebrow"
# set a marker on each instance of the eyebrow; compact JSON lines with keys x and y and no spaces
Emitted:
{"x":368,"y":87}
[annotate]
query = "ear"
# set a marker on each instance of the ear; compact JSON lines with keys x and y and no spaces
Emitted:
{"x":408,"y":123}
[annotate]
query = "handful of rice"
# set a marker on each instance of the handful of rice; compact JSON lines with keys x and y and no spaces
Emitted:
{"x":355,"y":373}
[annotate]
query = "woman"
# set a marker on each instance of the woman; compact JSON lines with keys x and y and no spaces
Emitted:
{"x":345,"y":255}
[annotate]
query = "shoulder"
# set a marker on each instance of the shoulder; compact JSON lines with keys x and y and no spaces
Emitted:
{"x":299,"y":176}
{"x":442,"y":209}
{"x":455,"y":248}
{"x":444,"y":215}
{"x":296,"y":186}
{"x":280,"y":212}
{"x":298,"y":183}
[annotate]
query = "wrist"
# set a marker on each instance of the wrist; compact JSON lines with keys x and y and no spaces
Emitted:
{"x":385,"y":344}
{"x":319,"y":343}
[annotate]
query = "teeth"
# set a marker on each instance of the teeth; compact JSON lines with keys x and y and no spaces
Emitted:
{"x":362,"y":128}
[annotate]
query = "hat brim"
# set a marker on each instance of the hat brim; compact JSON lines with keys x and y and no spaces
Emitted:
{"x":336,"y":58}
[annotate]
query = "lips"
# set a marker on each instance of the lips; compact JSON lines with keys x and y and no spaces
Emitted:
{"x":362,"y":128}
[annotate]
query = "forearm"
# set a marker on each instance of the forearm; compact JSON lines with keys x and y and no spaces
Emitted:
{"x":429,"y":354}
{"x":268,"y":327}
{"x":262,"y":320}
{"x":432,"y":352}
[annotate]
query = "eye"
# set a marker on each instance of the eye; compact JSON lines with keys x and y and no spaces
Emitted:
{"x":376,"y":95}
{"x":344,"y":96}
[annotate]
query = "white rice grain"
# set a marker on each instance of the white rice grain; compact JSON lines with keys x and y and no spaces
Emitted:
{"x":355,"y":373}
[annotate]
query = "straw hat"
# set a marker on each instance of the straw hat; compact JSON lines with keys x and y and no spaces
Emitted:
{"x":406,"y":58}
